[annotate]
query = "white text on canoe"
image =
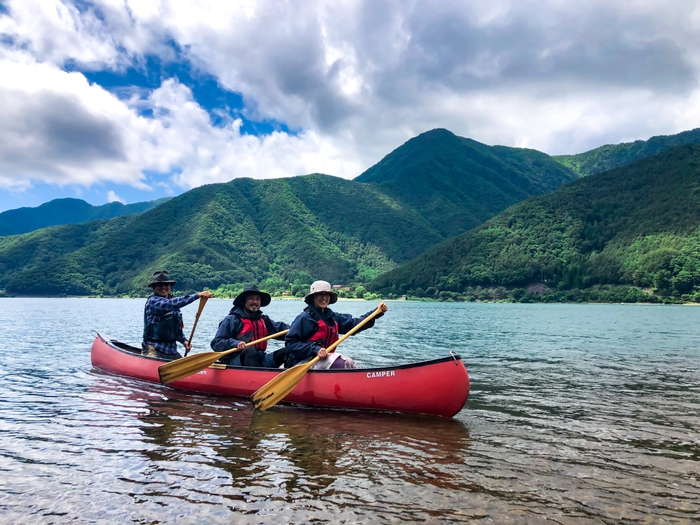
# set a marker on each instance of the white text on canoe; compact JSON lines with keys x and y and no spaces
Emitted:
{"x":384,"y":373}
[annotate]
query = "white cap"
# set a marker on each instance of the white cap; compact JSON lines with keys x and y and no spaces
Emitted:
{"x":321,"y":286}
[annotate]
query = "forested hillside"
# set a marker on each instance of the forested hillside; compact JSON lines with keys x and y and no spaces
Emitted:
{"x":638,"y":225}
{"x":615,"y":155}
{"x":458,"y":183}
{"x":66,"y":211}
{"x":635,"y":226}
{"x":286,"y":230}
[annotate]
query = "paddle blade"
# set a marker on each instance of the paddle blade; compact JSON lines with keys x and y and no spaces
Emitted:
{"x":186,"y":366}
{"x":277,"y":389}
{"x":192,"y":364}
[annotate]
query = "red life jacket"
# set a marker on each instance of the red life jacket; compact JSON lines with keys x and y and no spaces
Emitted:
{"x":325,"y":335}
{"x":252,"y":330}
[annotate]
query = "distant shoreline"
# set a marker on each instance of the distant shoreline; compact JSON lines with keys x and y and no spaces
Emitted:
{"x":404,"y":300}
{"x":217,"y":298}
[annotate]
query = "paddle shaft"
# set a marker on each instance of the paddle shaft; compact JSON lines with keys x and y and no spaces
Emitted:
{"x":277,"y":389}
{"x":332,"y":348}
{"x":202,"y":302}
{"x":252,"y":343}
{"x":189,"y":365}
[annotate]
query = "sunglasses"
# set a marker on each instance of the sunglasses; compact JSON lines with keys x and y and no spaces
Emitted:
{"x":161,"y":285}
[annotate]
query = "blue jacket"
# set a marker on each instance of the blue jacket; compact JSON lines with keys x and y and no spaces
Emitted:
{"x":299,"y":348}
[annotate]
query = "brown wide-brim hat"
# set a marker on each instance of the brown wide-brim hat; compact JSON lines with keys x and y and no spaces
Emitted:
{"x":320,"y":286}
{"x":161,"y":278}
{"x":265,"y":297}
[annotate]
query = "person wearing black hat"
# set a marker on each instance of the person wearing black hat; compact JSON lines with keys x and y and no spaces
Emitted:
{"x":317,"y":328}
{"x":162,"y":320}
{"x":245,"y":323}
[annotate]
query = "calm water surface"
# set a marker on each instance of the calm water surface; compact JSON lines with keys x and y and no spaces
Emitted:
{"x":578,"y":414}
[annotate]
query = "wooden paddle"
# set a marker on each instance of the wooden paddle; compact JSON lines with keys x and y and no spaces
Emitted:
{"x":277,"y":389}
{"x":187,"y":366}
{"x":202,"y":302}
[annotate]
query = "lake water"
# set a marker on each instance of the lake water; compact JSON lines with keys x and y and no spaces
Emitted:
{"x":578,"y":414}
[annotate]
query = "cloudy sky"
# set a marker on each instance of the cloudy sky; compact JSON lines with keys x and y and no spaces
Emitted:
{"x":133,"y":100}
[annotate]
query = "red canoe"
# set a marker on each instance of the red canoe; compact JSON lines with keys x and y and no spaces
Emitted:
{"x":439,"y":387}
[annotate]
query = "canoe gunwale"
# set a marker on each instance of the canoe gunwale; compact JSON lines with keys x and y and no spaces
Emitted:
{"x":456,"y":357}
{"x":439,"y":387}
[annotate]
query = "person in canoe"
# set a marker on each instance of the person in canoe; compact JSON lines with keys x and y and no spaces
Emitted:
{"x":244,"y":323}
{"x":317,"y":327}
{"x":162,"y":320}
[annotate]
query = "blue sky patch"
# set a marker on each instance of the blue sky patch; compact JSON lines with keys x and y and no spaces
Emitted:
{"x":221,"y":104}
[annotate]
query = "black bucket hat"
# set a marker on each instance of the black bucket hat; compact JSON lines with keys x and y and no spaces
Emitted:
{"x":265,"y":298}
{"x":161,"y":278}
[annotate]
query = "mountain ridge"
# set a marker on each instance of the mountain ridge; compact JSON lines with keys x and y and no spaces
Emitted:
{"x":612,"y":156}
{"x":458,"y":183}
{"x":287,"y":232}
{"x":57,"y":212}
{"x":636,"y":225}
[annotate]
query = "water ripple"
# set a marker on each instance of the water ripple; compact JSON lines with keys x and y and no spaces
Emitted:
{"x":578,"y":414}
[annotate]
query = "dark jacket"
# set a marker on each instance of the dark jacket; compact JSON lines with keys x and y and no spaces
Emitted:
{"x":230,"y":327}
{"x":156,"y":310}
{"x":299,"y":348}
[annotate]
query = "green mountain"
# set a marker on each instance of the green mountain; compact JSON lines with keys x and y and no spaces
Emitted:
{"x":637,"y":225}
{"x":458,"y":183}
{"x":615,"y":155}
{"x":284,"y":230}
{"x":66,"y":211}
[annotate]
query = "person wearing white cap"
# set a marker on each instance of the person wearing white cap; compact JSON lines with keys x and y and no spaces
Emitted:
{"x":317,"y":327}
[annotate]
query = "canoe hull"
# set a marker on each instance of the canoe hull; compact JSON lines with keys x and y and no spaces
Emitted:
{"x":439,"y":387}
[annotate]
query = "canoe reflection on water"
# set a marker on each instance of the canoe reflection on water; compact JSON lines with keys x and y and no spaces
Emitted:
{"x":292,"y":448}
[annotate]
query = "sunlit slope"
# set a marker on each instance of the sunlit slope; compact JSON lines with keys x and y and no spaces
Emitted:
{"x":613,"y":156}
{"x":310,"y":227}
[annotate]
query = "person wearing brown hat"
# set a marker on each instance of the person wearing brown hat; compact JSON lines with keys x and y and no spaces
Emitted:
{"x":245,"y":323}
{"x":162,"y":320}
{"x":317,"y":327}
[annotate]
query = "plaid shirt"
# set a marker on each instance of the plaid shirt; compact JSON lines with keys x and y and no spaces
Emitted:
{"x":156,"y":307}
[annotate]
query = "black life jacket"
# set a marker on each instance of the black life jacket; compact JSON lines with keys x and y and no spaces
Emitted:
{"x":167,"y":330}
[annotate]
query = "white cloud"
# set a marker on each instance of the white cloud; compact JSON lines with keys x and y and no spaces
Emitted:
{"x":60,"y":129}
{"x":113,"y":197}
{"x":358,"y":78}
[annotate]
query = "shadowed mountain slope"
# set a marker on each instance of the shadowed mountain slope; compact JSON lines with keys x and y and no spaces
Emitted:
{"x":458,"y":183}
{"x":66,"y":211}
{"x":637,"y":225}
